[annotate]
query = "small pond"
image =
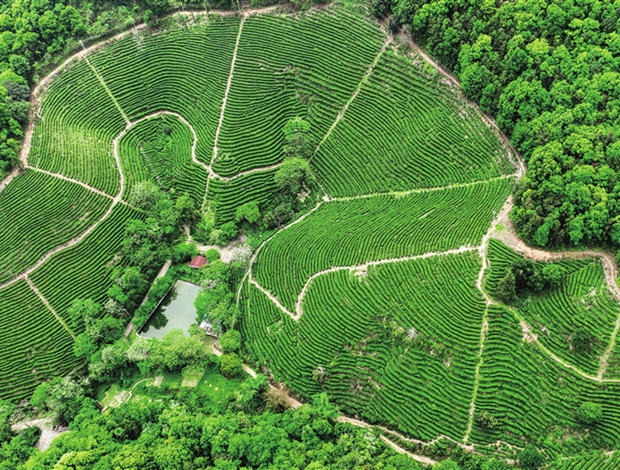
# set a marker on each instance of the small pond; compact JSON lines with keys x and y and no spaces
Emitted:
{"x":176,"y":311}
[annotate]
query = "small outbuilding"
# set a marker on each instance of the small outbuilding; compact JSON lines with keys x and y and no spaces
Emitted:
{"x":208,"y":328}
{"x":198,"y":262}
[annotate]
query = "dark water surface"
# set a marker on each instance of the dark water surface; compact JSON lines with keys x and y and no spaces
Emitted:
{"x":176,"y":311}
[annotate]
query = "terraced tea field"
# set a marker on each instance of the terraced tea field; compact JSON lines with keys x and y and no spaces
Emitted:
{"x":382,"y":294}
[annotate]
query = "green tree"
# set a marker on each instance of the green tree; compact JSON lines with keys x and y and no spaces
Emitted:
{"x":186,"y":209}
{"x":299,"y":141}
{"x":590,"y":413}
{"x":248,"y":211}
{"x":581,"y":340}
{"x":506,"y":288}
{"x":530,"y":458}
{"x":144,"y":195}
{"x":230,"y":341}
{"x":446,"y":465}
{"x":62,"y":397}
{"x":293,"y":175}
{"x":212,"y":255}
{"x":82,"y":310}
{"x":231,"y":365}
{"x":553,"y":274}
{"x":486,"y":420}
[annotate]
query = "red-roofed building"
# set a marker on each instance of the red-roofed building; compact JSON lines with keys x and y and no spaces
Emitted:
{"x":198,"y":262}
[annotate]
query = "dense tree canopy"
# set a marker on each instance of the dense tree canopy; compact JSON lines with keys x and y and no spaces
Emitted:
{"x":550,"y":72}
{"x":184,"y":434}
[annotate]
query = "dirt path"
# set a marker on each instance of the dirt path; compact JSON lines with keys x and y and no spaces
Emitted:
{"x":226,"y":91}
{"x":48,"y":433}
{"x":74,"y":241}
{"x":248,"y":172}
{"x":513,"y":155}
{"x":364,"y":79}
{"x":105,"y":87}
{"x":509,"y":237}
{"x":66,"y":178}
{"x":49,"y":307}
{"x":294,"y":403}
{"x":482,"y":252}
{"x":363,"y":269}
{"x":418,"y":190}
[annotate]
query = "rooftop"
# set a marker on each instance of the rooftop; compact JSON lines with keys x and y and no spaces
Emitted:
{"x":198,"y":262}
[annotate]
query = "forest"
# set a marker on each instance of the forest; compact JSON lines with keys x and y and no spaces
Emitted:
{"x":550,"y":73}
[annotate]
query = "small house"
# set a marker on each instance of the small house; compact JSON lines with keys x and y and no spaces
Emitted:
{"x":208,"y":328}
{"x":198,"y":262}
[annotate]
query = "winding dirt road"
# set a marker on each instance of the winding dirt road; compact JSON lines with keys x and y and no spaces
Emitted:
{"x":509,"y":237}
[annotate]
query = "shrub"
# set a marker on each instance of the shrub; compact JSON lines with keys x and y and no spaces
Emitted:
{"x":224,"y":234}
{"x":446,"y":465}
{"x":380,"y":8}
{"x":248,"y":211}
{"x":553,"y":274}
{"x":581,"y":340}
{"x":275,"y":399}
{"x":506,"y":289}
{"x":230,"y":341}
{"x":299,"y":141}
{"x":486,"y":420}
{"x":212,"y":255}
{"x":590,"y":413}
{"x":144,"y":195}
{"x":231,"y":365}
{"x":530,"y":458}
{"x":293,"y":175}
{"x":183,"y":252}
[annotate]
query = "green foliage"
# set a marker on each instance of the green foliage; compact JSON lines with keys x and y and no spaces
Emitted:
{"x":230,"y":365}
{"x":186,"y":430}
{"x":248,"y":211}
{"x":158,"y":6}
{"x":61,"y":397}
{"x":230,"y":341}
{"x":486,"y":420}
{"x":380,"y":8}
{"x":157,"y":291}
{"x":144,"y":195}
{"x":293,"y":175}
{"x":81,"y":310}
{"x":18,"y":449}
{"x":214,"y":302}
{"x":581,"y":340}
{"x":6,"y":408}
{"x":212,"y":255}
{"x":530,"y":458}
{"x":224,"y":234}
{"x":299,"y":141}
{"x":448,"y":464}
{"x":186,"y":208}
{"x":183,"y":252}
{"x":528,"y":73}
{"x":590,"y":413}
{"x":507,"y":288}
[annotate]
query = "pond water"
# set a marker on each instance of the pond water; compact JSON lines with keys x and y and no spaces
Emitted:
{"x":176,"y":311}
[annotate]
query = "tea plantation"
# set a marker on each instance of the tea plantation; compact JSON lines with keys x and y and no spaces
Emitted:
{"x":390,"y":290}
